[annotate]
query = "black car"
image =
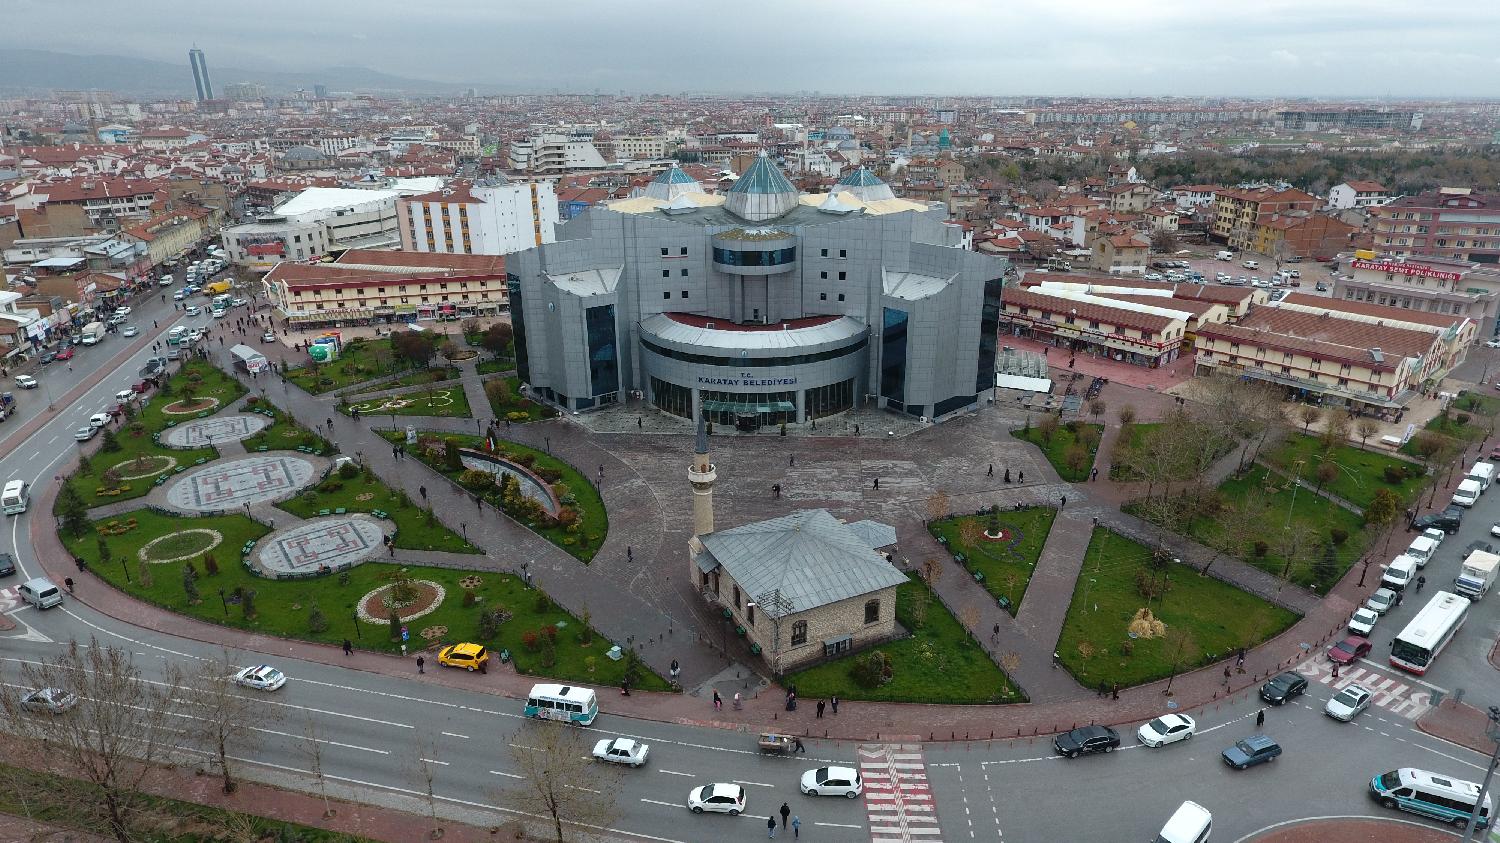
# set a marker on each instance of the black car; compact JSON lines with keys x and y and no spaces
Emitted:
{"x":1283,"y":687}
{"x":7,"y":565}
{"x":1478,"y":545}
{"x":1085,"y":740}
{"x":1448,"y":520}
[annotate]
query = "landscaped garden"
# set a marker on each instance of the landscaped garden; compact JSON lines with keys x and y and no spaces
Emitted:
{"x":283,"y":433}
{"x":940,"y":663}
{"x":495,"y":366}
{"x":497,"y":610}
{"x":1069,"y":446}
{"x":448,"y":401}
{"x":1354,"y":474}
{"x":354,"y":490}
{"x":999,"y":549}
{"x":507,"y":403}
{"x":1193,"y":619}
{"x":579,"y":527}
{"x":363,"y":359}
{"x":1468,"y":417}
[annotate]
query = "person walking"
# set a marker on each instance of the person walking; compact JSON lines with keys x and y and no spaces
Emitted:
{"x":1062,"y":501}
{"x":877,"y":484}
{"x":1226,"y":676}
{"x":1094,"y":475}
{"x":718,"y":701}
{"x":786,"y":814}
{"x":991,"y":472}
{"x":421,"y":665}
{"x":1260,"y":718}
{"x":422,"y":490}
{"x":1116,"y":694}
{"x":771,"y":827}
{"x":833,"y":702}
{"x":796,"y":747}
{"x":348,"y":647}
{"x":1335,"y":670}
{"x":821,"y":704}
{"x":68,"y":583}
{"x":796,"y":827}
{"x":1021,"y":477}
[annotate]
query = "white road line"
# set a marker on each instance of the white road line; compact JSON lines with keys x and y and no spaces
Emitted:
{"x":838,"y":825}
{"x":50,"y":441}
{"x":456,"y":735}
{"x":433,"y":761}
{"x":578,"y":787}
{"x":657,"y":802}
{"x":753,"y":784}
{"x":675,"y":773}
{"x":507,"y":775}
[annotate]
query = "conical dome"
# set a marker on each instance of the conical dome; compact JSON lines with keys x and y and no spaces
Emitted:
{"x":761,"y":193}
{"x":671,"y":184}
{"x":865,"y":185}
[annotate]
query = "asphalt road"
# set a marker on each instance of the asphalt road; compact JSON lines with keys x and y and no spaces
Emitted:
{"x":374,"y":727}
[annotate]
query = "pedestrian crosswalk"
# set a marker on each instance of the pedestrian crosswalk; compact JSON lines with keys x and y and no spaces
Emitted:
{"x":1401,"y":697}
{"x":898,"y":799}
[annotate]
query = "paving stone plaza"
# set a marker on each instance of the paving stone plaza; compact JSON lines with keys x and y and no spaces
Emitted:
{"x":330,"y":542}
{"x":250,"y":481}
{"x":202,"y":432}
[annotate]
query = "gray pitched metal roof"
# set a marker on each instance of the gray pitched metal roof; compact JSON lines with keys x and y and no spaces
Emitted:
{"x":811,"y":558}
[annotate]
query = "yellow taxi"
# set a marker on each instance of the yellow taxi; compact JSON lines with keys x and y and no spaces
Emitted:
{"x":467,"y":656}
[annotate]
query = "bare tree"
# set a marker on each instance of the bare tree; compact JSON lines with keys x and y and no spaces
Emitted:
{"x":937,"y":505}
{"x":1337,"y":432}
{"x":1365,"y":429}
{"x":221,"y":718}
{"x":969,"y":617}
{"x":552,"y":759}
{"x":1126,"y":415}
{"x":1239,"y":526}
{"x":111,"y":740}
{"x":312,"y":747}
{"x":1181,"y":647}
{"x":1097,"y":408}
{"x":1309,"y":416}
{"x":426,"y":768}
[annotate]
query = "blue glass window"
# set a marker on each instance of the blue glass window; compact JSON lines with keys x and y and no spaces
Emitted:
{"x":772,"y":257}
{"x":518,"y":328}
{"x":604,"y":367}
{"x":893,"y":355}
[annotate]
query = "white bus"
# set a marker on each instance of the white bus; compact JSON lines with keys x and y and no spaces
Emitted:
{"x":1431,"y":795}
{"x":562,"y":702}
{"x":15,"y":497}
{"x":1429,"y":632}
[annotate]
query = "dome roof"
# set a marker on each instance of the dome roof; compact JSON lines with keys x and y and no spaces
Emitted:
{"x":672,"y":183}
{"x":762,"y":192}
{"x":865,"y":185}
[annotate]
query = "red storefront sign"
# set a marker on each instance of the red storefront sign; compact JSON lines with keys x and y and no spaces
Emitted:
{"x":1413,"y":270}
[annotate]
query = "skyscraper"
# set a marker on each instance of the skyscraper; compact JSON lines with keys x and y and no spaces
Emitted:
{"x":201,"y":81}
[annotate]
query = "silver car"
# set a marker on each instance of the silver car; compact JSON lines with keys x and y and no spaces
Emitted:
{"x":1381,"y":601}
{"x":1348,"y":703}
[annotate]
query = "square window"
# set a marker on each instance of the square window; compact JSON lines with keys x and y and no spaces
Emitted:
{"x":824,"y":253}
{"x":843,"y":253}
{"x":841,"y":296}
{"x":683,"y":273}
{"x":666,"y":294}
{"x":823,"y":275}
{"x":664,"y":251}
{"x":666,"y":273}
{"x":684,"y":293}
{"x":682,"y":250}
{"x":843,"y":276}
{"x":822,"y":297}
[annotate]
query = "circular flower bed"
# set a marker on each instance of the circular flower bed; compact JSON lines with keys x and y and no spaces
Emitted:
{"x":471,"y":581}
{"x":433,"y":633}
{"x":374,"y":607}
{"x":190,"y":407}
{"x":154,"y":465}
{"x":365,"y":496}
{"x":183,"y":544}
{"x":1003,"y":536}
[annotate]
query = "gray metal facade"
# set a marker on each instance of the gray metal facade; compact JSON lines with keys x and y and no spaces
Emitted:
{"x":664,"y":262}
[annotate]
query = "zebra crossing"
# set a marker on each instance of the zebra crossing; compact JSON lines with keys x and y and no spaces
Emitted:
{"x":898,"y":798}
{"x":1393,"y":695}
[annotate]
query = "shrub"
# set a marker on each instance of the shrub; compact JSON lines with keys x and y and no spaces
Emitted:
{"x":247,"y":604}
{"x":451,"y":455}
{"x":1339,"y":535}
{"x":549,"y":653}
{"x":871,"y":670}
{"x":343,"y":577}
{"x":111,"y":443}
{"x":531,"y":641}
{"x":550,"y":632}
{"x":469,"y":597}
{"x":543,"y":602}
{"x":317,"y":624}
{"x":1260,"y":548}
{"x":1394,"y":474}
{"x":395,"y":624}
{"x":490,"y":621}
{"x":1127,"y":648}
{"x":1148,"y":585}
{"x":348,"y":471}
{"x":1461,"y":419}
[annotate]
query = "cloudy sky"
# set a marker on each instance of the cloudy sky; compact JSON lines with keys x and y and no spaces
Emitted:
{"x":1105,"y":47}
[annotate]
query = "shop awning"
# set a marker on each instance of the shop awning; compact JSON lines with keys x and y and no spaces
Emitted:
{"x":748,"y":408}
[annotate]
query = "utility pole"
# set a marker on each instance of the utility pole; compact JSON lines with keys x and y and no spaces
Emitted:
{"x":1493,"y":731}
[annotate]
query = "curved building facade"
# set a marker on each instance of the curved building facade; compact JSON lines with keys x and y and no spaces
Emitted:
{"x":759,"y":306}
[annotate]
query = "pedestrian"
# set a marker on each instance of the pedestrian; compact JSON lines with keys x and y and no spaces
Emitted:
{"x":718,"y":701}
{"x":1103,"y":687}
{"x":422,"y":490}
{"x":1116,"y":691}
{"x":1226,"y":676}
{"x":330,"y":422}
{"x":786,"y":813}
{"x":68,"y":583}
{"x":1094,"y":475}
{"x":821,"y":704}
{"x":637,"y":422}
{"x":771,"y":827}
{"x":791,"y":460}
{"x":1239,"y":661}
{"x":676,"y":670}
{"x":624,"y":687}
{"x":1260,"y":718}
{"x":629,"y":554}
{"x":348,"y":647}
{"x":1335,"y":670}
{"x":991,"y":472}
{"x":421,"y":665}
{"x":1021,"y":477}
{"x":1063,"y":501}
{"x":1007,"y":475}
{"x":833,"y":701}
{"x":877,"y":484}
{"x":796,"y":827}
{"x":393,"y":550}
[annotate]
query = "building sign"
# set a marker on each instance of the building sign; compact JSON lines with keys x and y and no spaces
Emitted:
{"x":746,"y":379}
{"x":1414,"y":270}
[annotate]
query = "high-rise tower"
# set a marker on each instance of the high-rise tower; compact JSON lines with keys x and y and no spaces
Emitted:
{"x":701,"y":475}
{"x":201,"y":80}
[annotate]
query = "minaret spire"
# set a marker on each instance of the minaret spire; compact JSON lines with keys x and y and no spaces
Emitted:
{"x":701,"y":475}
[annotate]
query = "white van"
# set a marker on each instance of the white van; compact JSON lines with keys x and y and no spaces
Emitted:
{"x":1467,"y":493}
{"x":165,"y":281}
{"x":1223,"y":255}
{"x":1400,"y":572}
{"x":1484,"y":472}
{"x":15,"y":498}
{"x":1252,"y":264}
{"x":1190,"y":823}
{"x":40,"y":592}
{"x":1421,"y":549}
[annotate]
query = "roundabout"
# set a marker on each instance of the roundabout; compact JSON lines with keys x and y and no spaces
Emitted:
{"x":422,"y":598}
{"x":220,"y":486}
{"x":202,"y":432}
{"x":322,"y":544}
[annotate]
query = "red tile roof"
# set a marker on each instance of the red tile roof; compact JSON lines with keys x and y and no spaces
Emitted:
{"x":1149,"y":322}
{"x":1395,"y":314}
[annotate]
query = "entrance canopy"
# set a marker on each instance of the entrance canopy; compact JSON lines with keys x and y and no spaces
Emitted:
{"x":748,"y":409}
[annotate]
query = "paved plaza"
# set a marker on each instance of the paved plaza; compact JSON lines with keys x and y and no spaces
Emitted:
{"x":250,"y":481}
{"x":330,"y":542}
{"x":202,"y":432}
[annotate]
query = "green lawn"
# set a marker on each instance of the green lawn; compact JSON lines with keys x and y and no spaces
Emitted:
{"x":283,"y":433}
{"x":360,"y":361}
{"x":1360,"y":472}
{"x":1095,"y":646}
{"x":518,"y":405}
{"x":1056,"y":450}
{"x":494,"y":366}
{"x":938,"y":664}
{"x":283,"y":607}
{"x":447,"y":401}
{"x":1460,"y":422}
{"x":1133,"y":437}
{"x":593,"y":526}
{"x":364,"y":494}
{"x":424,"y":376}
{"x":1006,"y":566}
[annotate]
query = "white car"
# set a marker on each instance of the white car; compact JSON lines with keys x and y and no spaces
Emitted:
{"x":117,"y":319}
{"x":128,"y":331}
{"x":219,"y":313}
{"x":49,"y":701}
{"x":1381,"y":601}
{"x":26,"y":382}
{"x":125,"y":395}
{"x":833,"y":781}
{"x":1362,"y":621}
{"x":192,"y":310}
{"x":99,"y":419}
{"x":165,"y":281}
{"x":268,"y":336}
{"x":179,"y":295}
{"x":237,"y":302}
{"x":1492,"y":344}
{"x":122,"y":310}
{"x":1348,"y":703}
{"x":622,"y":751}
{"x":1435,"y":534}
{"x":85,"y":433}
{"x":723,"y":798}
{"x":1168,"y":728}
{"x":261,"y":678}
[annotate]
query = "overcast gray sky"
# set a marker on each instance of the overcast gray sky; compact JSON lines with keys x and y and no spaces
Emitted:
{"x":1105,"y":47}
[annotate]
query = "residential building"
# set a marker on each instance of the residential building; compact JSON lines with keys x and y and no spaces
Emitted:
{"x":758,"y":306}
{"x":1120,"y":254}
{"x":1441,"y":286}
{"x":1356,"y":194}
{"x":1237,"y":211}
{"x":170,"y":234}
{"x":314,"y":222}
{"x":492,"y":217}
{"x":108,"y":201}
{"x":1076,"y":314}
{"x":244,"y":91}
{"x":1129,"y":197}
{"x":1304,"y":234}
{"x":368,"y":286}
{"x":1450,"y":222}
{"x":1349,"y":118}
{"x":202,"y":83}
{"x":638,"y":147}
{"x":1194,"y":195}
{"x":554,"y":155}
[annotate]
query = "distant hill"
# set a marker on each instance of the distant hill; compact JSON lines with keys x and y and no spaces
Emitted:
{"x":40,"y":71}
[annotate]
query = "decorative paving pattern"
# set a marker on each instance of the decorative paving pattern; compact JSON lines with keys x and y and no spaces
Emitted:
{"x":329,"y":542}
{"x":213,"y":538}
{"x":198,"y":405}
{"x":201,"y":432}
{"x":252,"y":480}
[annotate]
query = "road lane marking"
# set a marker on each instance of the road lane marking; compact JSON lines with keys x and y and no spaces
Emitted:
{"x":434,"y":761}
{"x":752,"y":784}
{"x":675,"y":773}
{"x":507,"y":775}
{"x":456,"y":735}
{"x":659,"y":802}
{"x":580,"y":787}
{"x":50,"y":441}
{"x":839,"y":825}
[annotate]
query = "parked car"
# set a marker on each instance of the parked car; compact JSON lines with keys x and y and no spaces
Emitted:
{"x":1256,"y":749}
{"x":723,"y":798}
{"x":1321,"y":287}
{"x":1351,"y":649}
{"x":26,"y":382}
{"x":1381,"y":601}
{"x":1478,"y":544}
{"x":1086,"y":740}
{"x":1348,"y":703}
{"x":467,"y":656}
{"x":64,"y":353}
{"x":49,"y":701}
{"x":122,"y":310}
{"x":1283,"y":687}
{"x":99,"y":420}
{"x":833,"y":781}
{"x":1492,"y":343}
{"x":1438,"y":535}
{"x":47,"y":356}
{"x":261,"y":678}
{"x":180,"y":295}
{"x":192,"y":310}
{"x":7,"y":565}
{"x":1168,"y":728}
{"x":622,"y":751}
{"x":85,"y":433}
{"x":1362,"y":621}
{"x":268,"y":336}
{"x":128,"y":331}
{"x":1448,"y":520}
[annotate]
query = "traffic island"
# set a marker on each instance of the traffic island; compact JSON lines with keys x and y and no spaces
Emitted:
{"x":1460,"y":723}
{"x":1352,"y":831}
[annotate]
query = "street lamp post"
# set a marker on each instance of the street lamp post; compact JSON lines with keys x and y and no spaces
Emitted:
{"x":356,"y":624}
{"x":224,"y":602}
{"x":1493,"y":731}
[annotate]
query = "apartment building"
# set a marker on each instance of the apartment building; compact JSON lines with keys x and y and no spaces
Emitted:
{"x":368,"y":286}
{"x":314,"y":222}
{"x":1120,"y":254}
{"x":1450,"y":222}
{"x":1238,"y":211}
{"x":1194,"y":195}
{"x":639,"y":147}
{"x":1357,"y":194}
{"x":1079,"y":317}
{"x":109,"y":202}
{"x":1440,"y":286}
{"x":1128,"y":197}
{"x":1304,"y":234}
{"x":487,"y":218}
{"x":554,"y":155}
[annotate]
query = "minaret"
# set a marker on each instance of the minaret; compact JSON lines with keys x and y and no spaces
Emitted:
{"x":702,"y":475}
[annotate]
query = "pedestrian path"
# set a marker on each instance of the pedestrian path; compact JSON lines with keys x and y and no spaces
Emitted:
{"x":898,"y":798}
{"x":1401,"y":697}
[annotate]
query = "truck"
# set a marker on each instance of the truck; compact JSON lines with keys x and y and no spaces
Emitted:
{"x":247,"y":359}
{"x":1467,"y":493}
{"x":214,"y":288}
{"x":1477,"y":574}
{"x":92,"y":333}
{"x":1483,"y":473}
